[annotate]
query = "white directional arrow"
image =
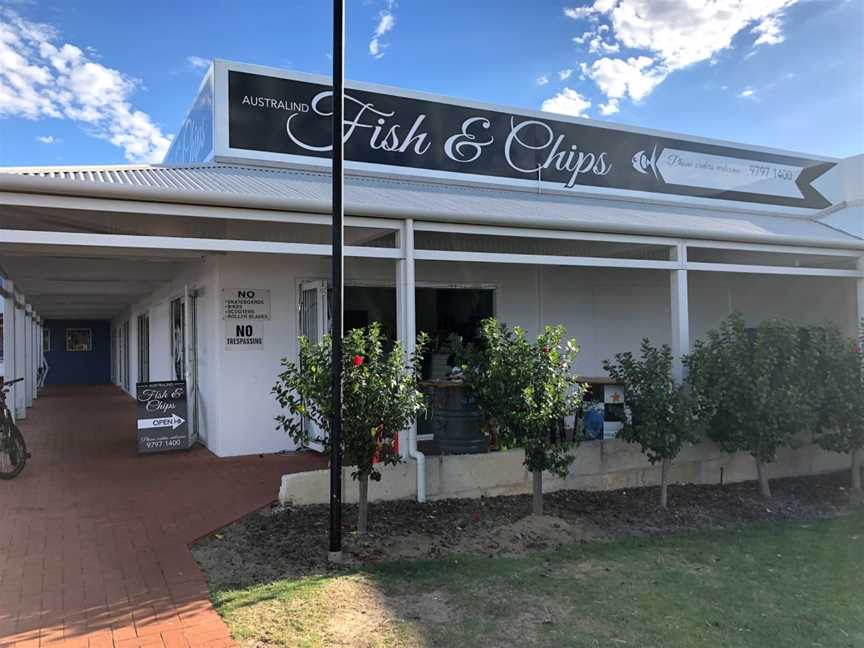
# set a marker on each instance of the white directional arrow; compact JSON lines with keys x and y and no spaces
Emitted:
{"x":172,"y":421}
{"x":694,"y":169}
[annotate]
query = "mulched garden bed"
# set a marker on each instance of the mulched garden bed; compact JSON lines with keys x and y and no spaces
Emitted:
{"x":283,"y":542}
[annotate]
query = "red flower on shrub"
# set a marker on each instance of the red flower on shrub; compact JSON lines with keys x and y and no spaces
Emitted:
{"x":358,"y":360}
{"x":856,"y":348}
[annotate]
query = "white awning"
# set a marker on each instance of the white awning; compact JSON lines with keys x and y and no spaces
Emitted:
{"x":287,"y":190}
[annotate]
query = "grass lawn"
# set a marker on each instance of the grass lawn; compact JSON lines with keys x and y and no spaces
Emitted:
{"x":783,"y":585}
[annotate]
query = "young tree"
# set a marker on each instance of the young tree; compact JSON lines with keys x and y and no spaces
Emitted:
{"x":528,"y":388}
{"x":839,"y":371}
{"x":379,"y":399}
{"x":662,"y":415}
{"x":751,"y":388}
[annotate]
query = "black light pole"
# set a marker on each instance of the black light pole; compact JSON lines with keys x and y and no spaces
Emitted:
{"x":335,"y":553}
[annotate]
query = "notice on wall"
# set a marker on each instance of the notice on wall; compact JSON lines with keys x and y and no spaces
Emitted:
{"x":245,"y":304}
{"x":162,"y":416}
{"x":243,"y":335}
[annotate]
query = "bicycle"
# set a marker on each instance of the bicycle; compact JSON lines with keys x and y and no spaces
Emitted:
{"x":13,"y":449}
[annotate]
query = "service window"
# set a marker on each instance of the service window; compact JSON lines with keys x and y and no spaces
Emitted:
{"x":79,"y":339}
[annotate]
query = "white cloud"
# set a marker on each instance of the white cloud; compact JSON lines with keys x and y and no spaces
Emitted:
{"x":386,"y":23}
{"x":567,"y":102}
{"x":672,"y":34}
{"x":610,"y":107}
{"x":578,"y":13}
{"x":47,"y":139}
{"x":39,"y":78}
{"x":580,"y":40}
{"x":542,"y":80}
{"x":770,"y":31}
{"x":683,"y":32}
{"x":198,"y":63}
{"x":563,"y":75}
{"x":635,"y":77}
{"x":747,"y":93}
{"x":598,"y":45}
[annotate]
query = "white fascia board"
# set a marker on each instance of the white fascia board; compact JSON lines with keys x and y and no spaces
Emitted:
{"x":778,"y":249}
{"x":542,"y":259}
{"x":525,"y":232}
{"x":570,"y":235}
{"x":77,"y":239}
{"x":773,"y":270}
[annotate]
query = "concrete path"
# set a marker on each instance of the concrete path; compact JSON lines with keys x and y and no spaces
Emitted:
{"x":94,"y":538}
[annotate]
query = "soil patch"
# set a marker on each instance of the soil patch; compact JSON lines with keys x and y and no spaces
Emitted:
{"x":287,"y":542}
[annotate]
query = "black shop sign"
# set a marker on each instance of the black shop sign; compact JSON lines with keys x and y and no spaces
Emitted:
{"x":420,"y":136}
{"x":162,"y":416}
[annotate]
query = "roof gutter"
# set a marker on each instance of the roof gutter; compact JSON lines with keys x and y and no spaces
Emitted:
{"x":63,"y":187}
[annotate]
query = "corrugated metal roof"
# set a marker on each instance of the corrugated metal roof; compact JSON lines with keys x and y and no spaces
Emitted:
{"x":278,"y":188}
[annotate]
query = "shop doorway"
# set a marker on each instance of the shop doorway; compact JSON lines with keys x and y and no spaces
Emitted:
{"x":440,"y":313}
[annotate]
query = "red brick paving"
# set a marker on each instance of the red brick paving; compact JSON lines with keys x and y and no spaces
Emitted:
{"x":94,"y":539}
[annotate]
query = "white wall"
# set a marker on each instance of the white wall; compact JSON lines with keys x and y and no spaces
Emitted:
{"x":247,"y":409}
{"x":607,"y":311}
{"x":808,"y":300}
{"x":203,"y":277}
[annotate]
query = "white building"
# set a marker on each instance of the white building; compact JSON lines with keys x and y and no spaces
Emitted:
{"x":454,"y":210}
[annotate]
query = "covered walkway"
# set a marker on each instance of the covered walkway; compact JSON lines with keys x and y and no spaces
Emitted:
{"x":94,"y":538}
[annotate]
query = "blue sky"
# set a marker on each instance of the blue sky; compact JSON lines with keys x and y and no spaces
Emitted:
{"x":87,"y":82}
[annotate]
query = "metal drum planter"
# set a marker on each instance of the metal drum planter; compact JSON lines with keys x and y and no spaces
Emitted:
{"x":456,"y":421}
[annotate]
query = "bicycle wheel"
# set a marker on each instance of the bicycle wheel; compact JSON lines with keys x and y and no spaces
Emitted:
{"x":13,"y":450}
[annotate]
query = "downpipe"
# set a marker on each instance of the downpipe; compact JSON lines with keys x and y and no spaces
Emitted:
{"x":420,"y":458}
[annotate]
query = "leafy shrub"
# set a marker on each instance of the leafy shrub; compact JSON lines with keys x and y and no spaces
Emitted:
{"x":379,"y":399}
{"x":838,"y":368}
{"x":528,"y":388}
{"x":662,"y":411}
{"x":752,"y":388}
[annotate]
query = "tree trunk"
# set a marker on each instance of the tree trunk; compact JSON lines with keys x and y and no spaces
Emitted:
{"x":665,"y":466}
{"x":856,"y":470}
{"x":363,"y":504}
{"x":537,"y":499}
{"x":764,"y":486}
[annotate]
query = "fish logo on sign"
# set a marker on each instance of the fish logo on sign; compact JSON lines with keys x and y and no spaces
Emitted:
{"x":641,"y":162}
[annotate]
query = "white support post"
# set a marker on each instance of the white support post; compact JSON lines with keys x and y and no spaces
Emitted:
{"x":680,"y":312}
{"x":9,"y":341}
{"x":406,"y":326}
{"x":28,"y":356}
{"x":189,"y":357}
{"x":32,"y":366}
{"x":34,"y":326}
{"x":860,"y":293}
{"x":20,"y":357}
{"x":37,"y":355}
